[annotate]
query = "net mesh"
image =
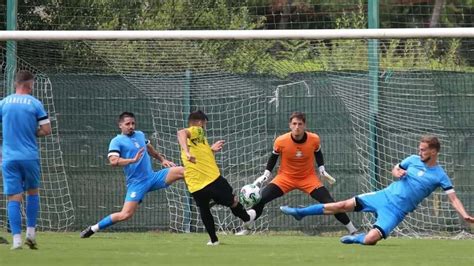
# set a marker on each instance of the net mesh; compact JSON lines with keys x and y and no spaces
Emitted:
{"x":178,"y":79}
{"x":388,"y":122}
{"x":248,"y":89}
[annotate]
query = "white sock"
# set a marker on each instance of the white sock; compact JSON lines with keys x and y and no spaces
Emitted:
{"x":31,"y":233}
{"x":351,"y":228}
{"x":95,"y":228}
{"x":252,"y":213}
{"x":17,"y":240}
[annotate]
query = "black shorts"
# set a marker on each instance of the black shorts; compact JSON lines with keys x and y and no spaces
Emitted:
{"x":219,"y":190}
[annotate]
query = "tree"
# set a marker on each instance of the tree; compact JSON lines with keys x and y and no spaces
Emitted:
{"x":438,"y":6}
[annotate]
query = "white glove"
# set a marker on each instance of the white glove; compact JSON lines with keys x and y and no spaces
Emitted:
{"x":263,"y":178}
{"x":322,"y":173}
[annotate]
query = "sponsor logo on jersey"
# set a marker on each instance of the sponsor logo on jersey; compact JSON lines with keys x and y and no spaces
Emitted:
{"x":299,"y":154}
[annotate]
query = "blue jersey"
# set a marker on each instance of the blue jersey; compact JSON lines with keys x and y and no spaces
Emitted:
{"x":21,"y":114}
{"x":127,"y":147}
{"x":418,"y":183}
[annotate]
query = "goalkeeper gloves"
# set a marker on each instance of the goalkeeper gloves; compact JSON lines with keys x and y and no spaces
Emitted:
{"x":322,"y":173}
{"x":263,"y":178}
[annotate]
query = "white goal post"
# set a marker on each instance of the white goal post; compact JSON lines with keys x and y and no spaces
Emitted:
{"x":239,"y":34}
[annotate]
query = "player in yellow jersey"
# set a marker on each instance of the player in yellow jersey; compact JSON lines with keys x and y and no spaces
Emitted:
{"x":202,"y":175}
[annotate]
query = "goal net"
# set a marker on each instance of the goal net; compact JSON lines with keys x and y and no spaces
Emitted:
{"x":387,"y":122}
{"x":177,"y":78}
{"x":369,"y":105}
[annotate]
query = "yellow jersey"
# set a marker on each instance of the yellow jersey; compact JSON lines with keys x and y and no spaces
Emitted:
{"x":204,"y":171}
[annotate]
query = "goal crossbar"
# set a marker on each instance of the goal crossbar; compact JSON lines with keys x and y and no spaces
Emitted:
{"x":237,"y":34}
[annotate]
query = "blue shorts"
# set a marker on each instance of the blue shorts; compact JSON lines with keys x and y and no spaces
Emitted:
{"x":137,"y":191}
{"x":387,"y":215}
{"x":19,"y":176}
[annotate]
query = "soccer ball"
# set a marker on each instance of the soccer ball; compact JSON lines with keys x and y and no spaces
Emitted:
{"x":249,"y":195}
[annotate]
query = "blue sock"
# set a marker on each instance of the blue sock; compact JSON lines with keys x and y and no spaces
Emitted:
{"x":32,"y":208}
{"x":106,"y":222}
{"x":14,"y":216}
{"x":316,"y":209}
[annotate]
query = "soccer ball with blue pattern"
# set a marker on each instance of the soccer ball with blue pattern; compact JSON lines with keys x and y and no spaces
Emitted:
{"x":249,"y":195}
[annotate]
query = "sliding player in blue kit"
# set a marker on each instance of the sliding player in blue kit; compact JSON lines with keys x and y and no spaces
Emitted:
{"x":419,"y":176}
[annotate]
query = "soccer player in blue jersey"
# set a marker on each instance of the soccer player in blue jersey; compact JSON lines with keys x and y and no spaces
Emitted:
{"x":132,"y":150}
{"x":419,"y":175}
{"x":23,"y":119}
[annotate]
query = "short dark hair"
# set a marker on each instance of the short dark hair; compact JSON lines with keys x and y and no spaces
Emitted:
{"x":123,"y":115}
{"x":197,"y":116}
{"x":24,"y":76}
{"x":432,"y":141}
{"x":299,"y":115}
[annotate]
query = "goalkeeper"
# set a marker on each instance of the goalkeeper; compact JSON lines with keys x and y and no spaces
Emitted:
{"x":298,"y":150}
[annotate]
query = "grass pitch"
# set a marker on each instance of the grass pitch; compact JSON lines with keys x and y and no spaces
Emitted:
{"x":190,"y":249}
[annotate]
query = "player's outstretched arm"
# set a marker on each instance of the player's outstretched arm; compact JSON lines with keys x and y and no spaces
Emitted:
{"x":459,"y":207}
{"x":217,"y":146}
{"x":157,"y":155}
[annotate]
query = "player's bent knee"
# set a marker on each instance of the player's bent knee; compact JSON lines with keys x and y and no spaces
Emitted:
{"x":175,"y":173}
{"x":346,"y":206}
{"x":340,"y":206}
